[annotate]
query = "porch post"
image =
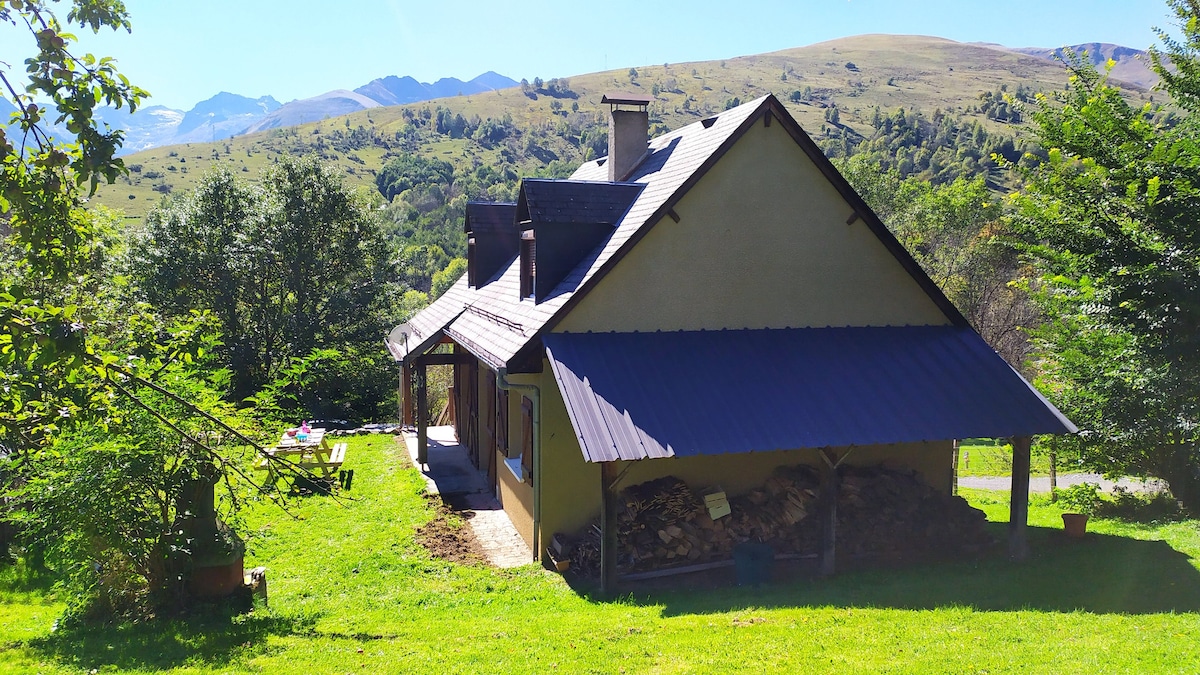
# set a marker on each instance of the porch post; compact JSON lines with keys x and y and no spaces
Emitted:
{"x":422,"y":416}
{"x":828,"y":510}
{"x":406,"y":403}
{"x":608,"y":529}
{"x":1018,"y":509}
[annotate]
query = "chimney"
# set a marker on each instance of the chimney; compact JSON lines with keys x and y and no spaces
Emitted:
{"x":628,"y":132}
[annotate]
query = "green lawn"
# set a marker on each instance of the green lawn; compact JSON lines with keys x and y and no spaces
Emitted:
{"x":996,"y":460}
{"x":351,"y":592}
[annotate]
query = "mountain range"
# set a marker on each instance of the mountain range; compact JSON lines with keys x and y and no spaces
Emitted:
{"x":226,"y":115}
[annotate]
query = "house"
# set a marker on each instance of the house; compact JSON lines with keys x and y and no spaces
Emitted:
{"x":711,"y":304}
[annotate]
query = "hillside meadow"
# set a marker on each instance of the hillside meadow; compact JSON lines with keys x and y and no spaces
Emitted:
{"x":352,"y":591}
{"x":855,"y":75}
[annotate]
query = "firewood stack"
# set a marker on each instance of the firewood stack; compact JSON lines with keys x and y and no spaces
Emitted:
{"x":890,"y":512}
{"x":663,"y":523}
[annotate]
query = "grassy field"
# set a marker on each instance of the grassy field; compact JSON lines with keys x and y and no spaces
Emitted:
{"x":351,"y":591}
{"x":996,"y":460}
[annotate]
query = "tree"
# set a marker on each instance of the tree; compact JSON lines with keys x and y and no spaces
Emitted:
{"x":81,"y":415}
{"x":296,"y":264}
{"x":1110,"y":220}
{"x":52,"y":249}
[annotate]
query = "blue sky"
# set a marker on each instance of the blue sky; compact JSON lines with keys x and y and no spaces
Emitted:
{"x":184,"y":51}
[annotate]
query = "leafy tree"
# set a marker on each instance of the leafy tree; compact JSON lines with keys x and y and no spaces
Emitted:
{"x":294,"y":265}
{"x":1110,"y":220}
{"x":955,"y":231}
{"x":51,"y":248}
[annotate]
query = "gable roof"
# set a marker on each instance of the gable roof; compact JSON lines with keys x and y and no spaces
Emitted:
{"x":503,"y":330}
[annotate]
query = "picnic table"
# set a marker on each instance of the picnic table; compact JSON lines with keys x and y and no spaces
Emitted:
{"x":313,"y":454}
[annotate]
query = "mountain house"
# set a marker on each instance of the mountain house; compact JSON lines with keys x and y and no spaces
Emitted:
{"x":711,"y":304}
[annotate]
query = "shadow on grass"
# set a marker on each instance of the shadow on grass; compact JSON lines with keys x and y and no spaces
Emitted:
{"x":215,"y":638}
{"x":1101,"y":574}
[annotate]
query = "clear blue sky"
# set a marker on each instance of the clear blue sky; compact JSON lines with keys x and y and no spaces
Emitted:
{"x":184,"y":51}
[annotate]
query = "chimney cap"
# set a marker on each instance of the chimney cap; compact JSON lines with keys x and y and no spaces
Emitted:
{"x":625,"y":98}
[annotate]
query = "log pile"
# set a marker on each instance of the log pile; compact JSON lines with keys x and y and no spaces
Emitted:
{"x":663,"y":523}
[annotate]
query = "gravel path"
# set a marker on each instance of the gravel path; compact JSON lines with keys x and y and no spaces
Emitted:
{"x":1042,"y":483}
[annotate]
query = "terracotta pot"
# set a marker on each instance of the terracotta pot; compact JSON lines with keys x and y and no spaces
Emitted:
{"x":1075,"y":524}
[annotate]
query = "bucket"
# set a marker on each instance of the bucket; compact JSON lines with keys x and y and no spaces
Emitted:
{"x":1075,"y":524}
{"x":753,"y":562}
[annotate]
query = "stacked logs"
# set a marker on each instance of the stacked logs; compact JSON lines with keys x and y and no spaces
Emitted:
{"x":882,"y":511}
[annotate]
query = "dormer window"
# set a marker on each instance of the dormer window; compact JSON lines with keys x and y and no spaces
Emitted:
{"x":528,"y":263}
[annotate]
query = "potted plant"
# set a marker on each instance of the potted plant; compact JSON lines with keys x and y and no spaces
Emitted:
{"x":1080,"y":501}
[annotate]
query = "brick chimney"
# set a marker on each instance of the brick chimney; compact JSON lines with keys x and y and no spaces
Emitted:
{"x":628,"y":132}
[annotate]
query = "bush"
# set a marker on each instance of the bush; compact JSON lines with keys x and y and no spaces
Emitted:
{"x":1081,"y":498}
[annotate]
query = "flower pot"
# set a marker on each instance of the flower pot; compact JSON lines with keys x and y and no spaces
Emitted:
{"x":1075,"y":524}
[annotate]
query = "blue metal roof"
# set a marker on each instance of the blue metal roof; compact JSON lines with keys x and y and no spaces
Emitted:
{"x":645,"y":395}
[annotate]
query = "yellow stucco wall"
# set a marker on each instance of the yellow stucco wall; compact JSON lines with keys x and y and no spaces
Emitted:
{"x":762,"y":242}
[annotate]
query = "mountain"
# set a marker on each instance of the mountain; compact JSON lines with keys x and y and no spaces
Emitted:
{"x":392,"y":90}
{"x":222,"y":116}
{"x":1132,"y":65}
{"x":330,"y":104}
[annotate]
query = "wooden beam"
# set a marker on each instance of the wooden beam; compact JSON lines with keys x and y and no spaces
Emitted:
{"x":406,"y":402}
{"x":608,"y":529}
{"x":1018,"y":509}
{"x":422,"y":416}
{"x":827,"y":500}
{"x":442,"y":359}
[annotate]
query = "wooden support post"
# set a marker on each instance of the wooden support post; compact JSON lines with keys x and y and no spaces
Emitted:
{"x":828,"y":510}
{"x":1018,"y":509}
{"x":422,"y":416}
{"x":954,"y":469}
{"x":608,"y":529}
{"x":406,"y":402}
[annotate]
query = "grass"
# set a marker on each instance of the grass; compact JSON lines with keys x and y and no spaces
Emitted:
{"x":351,"y":591}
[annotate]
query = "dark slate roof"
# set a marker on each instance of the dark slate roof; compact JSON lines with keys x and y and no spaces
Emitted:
{"x":501,"y":324}
{"x":424,"y":329}
{"x":490,"y":217}
{"x":637,"y":396}
{"x":574,"y":201}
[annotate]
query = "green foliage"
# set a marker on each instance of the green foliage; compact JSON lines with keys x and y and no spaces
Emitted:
{"x":106,"y":508}
{"x":1110,"y":220}
{"x":52,"y":248}
{"x":955,"y":232}
{"x":1079,"y":498}
{"x":296,"y":264}
{"x":938,"y":149}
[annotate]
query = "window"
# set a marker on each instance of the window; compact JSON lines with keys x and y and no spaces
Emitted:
{"x":471,"y":263}
{"x":528,"y":263}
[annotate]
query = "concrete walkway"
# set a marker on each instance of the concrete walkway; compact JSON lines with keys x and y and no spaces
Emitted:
{"x":1042,"y":483}
{"x":451,"y":475}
